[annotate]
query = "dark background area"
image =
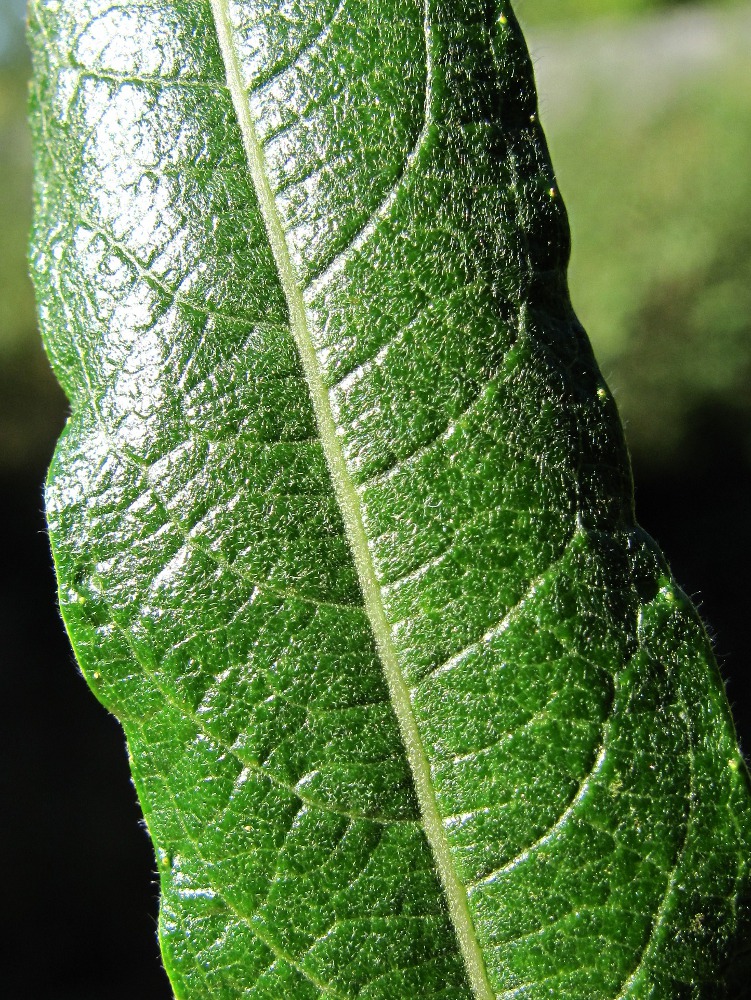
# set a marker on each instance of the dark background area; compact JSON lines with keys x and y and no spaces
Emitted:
{"x":80,"y":900}
{"x":79,"y":907}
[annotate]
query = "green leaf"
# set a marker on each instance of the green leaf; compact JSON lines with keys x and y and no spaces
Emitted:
{"x":343,"y":517}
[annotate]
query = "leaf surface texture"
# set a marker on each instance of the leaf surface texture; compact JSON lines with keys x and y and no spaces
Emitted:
{"x":343,"y":517}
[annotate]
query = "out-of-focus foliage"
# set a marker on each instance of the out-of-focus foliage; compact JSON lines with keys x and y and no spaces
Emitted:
{"x":672,"y":306}
{"x":658,"y":188}
{"x":30,"y":400}
{"x":16,"y":308}
{"x":12,"y":14}
{"x":544,"y":12}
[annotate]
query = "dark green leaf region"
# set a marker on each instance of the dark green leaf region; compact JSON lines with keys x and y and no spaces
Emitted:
{"x":343,"y":518}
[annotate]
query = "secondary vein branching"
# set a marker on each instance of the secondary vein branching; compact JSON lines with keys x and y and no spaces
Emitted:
{"x":349,"y":503}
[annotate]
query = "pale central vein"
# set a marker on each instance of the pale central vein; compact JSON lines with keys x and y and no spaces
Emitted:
{"x":456,"y":894}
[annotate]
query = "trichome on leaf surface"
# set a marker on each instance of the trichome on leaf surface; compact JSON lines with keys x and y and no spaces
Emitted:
{"x":343,"y":517}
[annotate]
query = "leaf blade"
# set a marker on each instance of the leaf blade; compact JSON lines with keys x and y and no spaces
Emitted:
{"x":350,"y":507}
{"x":149,"y":496}
{"x":514,"y":428}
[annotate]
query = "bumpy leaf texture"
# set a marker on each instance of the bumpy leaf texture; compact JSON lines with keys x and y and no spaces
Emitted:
{"x":343,"y":517}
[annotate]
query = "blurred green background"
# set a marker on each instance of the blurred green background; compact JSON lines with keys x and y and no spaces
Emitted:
{"x":649,"y":123}
{"x":647,"y":107}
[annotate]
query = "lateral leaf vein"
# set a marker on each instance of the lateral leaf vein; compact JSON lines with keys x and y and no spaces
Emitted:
{"x":456,"y":893}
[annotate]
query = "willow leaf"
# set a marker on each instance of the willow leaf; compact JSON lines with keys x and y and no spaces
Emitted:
{"x":343,"y":517}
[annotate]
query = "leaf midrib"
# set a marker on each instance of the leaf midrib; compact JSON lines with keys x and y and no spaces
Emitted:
{"x":349,"y":504}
